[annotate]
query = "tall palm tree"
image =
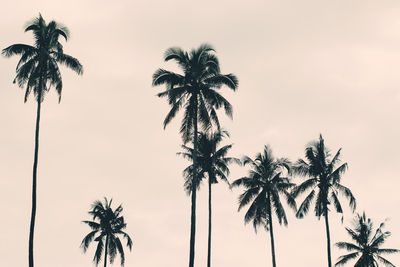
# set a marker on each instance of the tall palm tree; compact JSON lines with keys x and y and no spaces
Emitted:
{"x":197,"y":91}
{"x":264,"y":185}
{"x":213,"y":164}
{"x":324,"y":183}
{"x":366,"y":244}
{"x":38,"y":71}
{"x":110,"y":224}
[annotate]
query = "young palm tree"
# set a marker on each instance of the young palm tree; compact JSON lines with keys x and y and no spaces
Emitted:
{"x":38,"y":71}
{"x":213,"y":163}
{"x":196,"y":90}
{"x":110,"y":224}
{"x":324,"y":183}
{"x":264,"y":185}
{"x":366,"y":245}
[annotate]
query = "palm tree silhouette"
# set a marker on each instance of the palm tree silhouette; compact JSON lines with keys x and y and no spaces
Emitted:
{"x":110,"y":224}
{"x":212,"y":162}
{"x":264,"y":185}
{"x":196,"y":91}
{"x":366,"y":244}
{"x":324,"y":182}
{"x":38,"y":70}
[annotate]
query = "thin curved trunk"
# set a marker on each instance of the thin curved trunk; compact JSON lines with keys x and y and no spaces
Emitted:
{"x":271,"y":232}
{"x":193,"y":208}
{"x":209,"y":224}
{"x":328,"y":239}
{"x":106,"y":252}
{"x":34,"y":179}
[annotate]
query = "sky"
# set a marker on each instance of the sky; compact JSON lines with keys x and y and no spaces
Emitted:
{"x":304,"y":67}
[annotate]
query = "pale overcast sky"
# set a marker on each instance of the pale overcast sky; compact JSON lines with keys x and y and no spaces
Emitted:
{"x":304,"y":67}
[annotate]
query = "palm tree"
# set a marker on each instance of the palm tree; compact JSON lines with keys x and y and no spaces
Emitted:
{"x":324,"y":183}
{"x":38,"y":70}
{"x":213,"y":163}
{"x":264,"y":185}
{"x":366,"y":244}
{"x":110,"y":224}
{"x":197,"y":91}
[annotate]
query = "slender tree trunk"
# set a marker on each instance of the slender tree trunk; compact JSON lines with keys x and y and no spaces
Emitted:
{"x":328,"y":239}
{"x":35,"y":163}
{"x":106,"y":252}
{"x":209,"y":223}
{"x":271,"y":232}
{"x":194,"y":184}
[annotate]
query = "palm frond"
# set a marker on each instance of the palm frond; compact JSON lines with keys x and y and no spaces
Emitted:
{"x":305,"y":205}
{"x":69,"y":62}
{"x":342,"y":260}
{"x":99,"y":252}
{"x":385,"y":261}
{"x":19,"y":49}
{"x":162,"y":76}
{"x":348,"y":246}
{"x":348,"y":194}
{"x":87,"y":239}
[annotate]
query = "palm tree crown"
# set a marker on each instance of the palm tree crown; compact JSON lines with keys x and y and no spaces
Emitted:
{"x":366,"y":246}
{"x":213,"y":163}
{"x":38,"y":66}
{"x":324,"y":180}
{"x":264,"y":185}
{"x":195,"y":89}
{"x":107,"y":224}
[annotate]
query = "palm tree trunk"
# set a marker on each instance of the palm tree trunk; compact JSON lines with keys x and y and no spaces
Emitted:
{"x":106,"y":252}
{"x":271,"y":231}
{"x":194,"y":185}
{"x":209,"y":224}
{"x":35,"y":163}
{"x":328,"y":239}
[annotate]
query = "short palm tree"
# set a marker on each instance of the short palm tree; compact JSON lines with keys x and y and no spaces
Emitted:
{"x":366,"y":244}
{"x":213,"y":164}
{"x":264,"y":185}
{"x":38,"y":71}
{"x":196,"y":90}
{"x":107,"y":224}
{"x":324,"y":183}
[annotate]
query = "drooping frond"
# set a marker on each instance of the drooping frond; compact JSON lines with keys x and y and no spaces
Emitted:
{"x":162,"y":76}
{"x":69,"y":62}
{"x":19,"y":49}
{"x":99,"y":251}
{"x":342,"y":260}
{"x":305,"y":205}
{"x":88,"y":238}
{"x":229,"y":80}
{"x":385,"y":261}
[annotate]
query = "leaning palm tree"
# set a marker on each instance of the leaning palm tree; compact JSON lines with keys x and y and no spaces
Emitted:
{"x":213,"y":164}
{"x":38,"y":71}
{"x":264,"y":185}
{"x":366,"y":244}
{"x":196,"y":90}
{"x":324,"y":183}
{"x":107,"y":224}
